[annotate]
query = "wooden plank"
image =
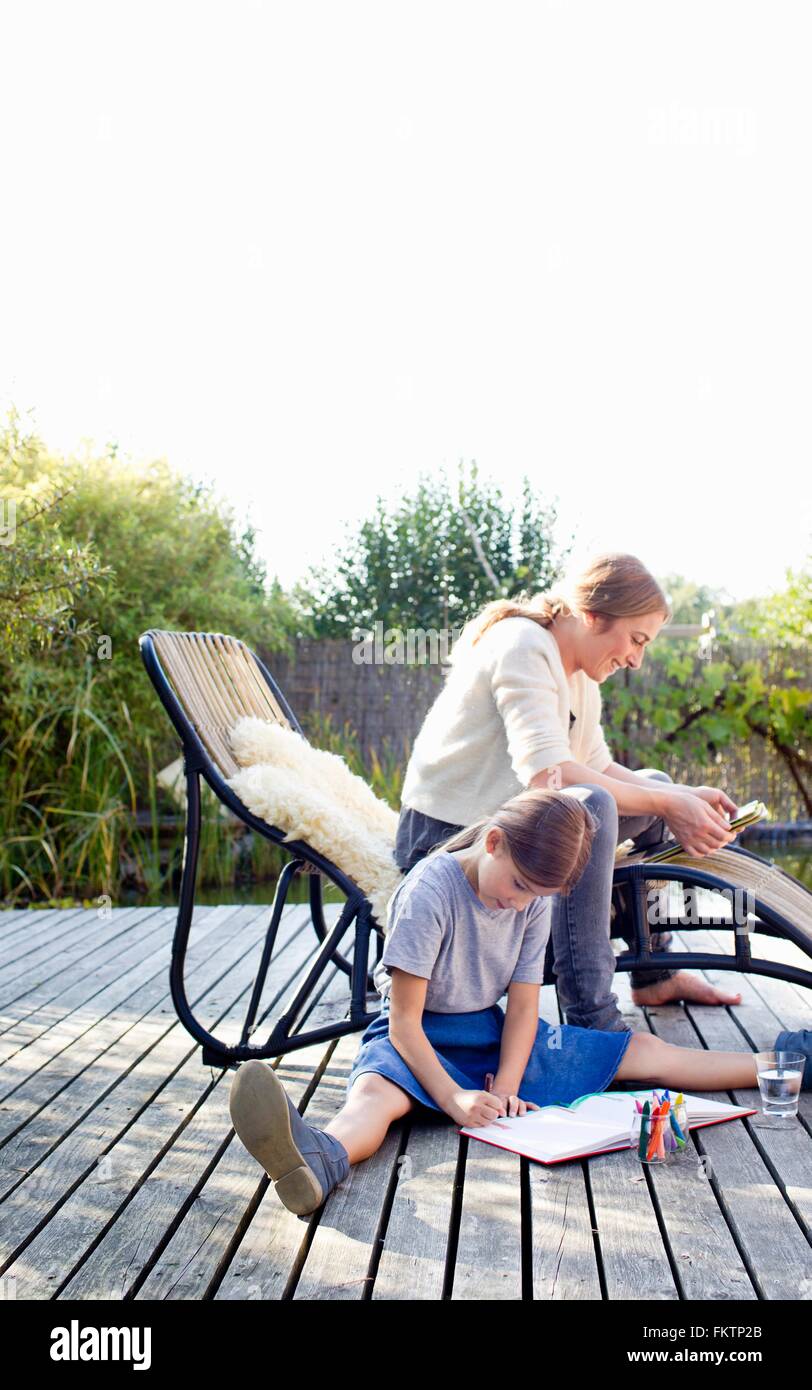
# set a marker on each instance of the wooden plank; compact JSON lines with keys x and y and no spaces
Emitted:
{"x":488,"y":1263}
{"x":708,"y":1263}
{"x":564,"y":1263}
{"x":201,"y":1247}
{"x":270,"y":1252}
{"x":79,"y":970}
{"x":787,"y":1152}
{"x":29,"y":975}
{"x":415,"y":1246}
{"x":776,"y":1251}
{"x":116,"y":1144}
{"x":564,"y":1257}
{"x":338,"y":1260}
{"x":633,"y":1258}
{"x":32,"y":928}
{"x":92,"y":1065}
{"x":788,"y":1005}
{"x":54,"y":1029}
{"x":51,"y":1039}
{"x":132,"y":1242}
{"x":44,"y":927}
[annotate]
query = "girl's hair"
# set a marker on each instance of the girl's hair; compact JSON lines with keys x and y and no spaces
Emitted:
{"x":613,"y":585}
{"x":548,"y":835}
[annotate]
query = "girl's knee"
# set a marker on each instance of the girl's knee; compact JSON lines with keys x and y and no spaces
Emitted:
{"x":370,"y":1085}
{"x":646,"y":1048}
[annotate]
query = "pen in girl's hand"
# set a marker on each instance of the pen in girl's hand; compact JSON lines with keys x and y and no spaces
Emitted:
{"x":489,"y":1087}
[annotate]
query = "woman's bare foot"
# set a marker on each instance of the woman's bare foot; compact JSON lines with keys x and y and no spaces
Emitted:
{"x":691,"y":988}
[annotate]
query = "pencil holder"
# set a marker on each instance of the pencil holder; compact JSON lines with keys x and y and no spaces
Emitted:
{"x":658,"y":1139}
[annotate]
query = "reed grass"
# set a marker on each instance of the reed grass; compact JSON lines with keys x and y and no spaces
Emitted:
{"x":72,"y":783}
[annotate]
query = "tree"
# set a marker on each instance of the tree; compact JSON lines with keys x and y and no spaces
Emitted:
{"x":692,"y":710}
{"x":433,"y":558}
{"x":690,"y":600}
{"x":41,"y":569}
{"x":107,"y":549}
{"x":784,"y":618}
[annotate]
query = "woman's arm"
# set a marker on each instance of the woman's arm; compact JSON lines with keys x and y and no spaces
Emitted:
{"x":693,"y":817}
{"x":635,"y":796}
{"x":717,"y":798}
{"x":407,"y":1037}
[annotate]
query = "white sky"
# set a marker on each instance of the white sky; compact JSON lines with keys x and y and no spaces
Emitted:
{"x":310,"y":249}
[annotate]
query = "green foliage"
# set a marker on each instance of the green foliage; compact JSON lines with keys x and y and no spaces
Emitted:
{"x":694,"y":711}
{"x":107,"y":549}
{"x":42,"y":569}
{"x":783,"y":619}
{"x":689,"y":601}
{"x":432,"y":559}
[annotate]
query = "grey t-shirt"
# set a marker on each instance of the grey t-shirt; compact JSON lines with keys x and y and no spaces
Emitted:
{"x":438,"y":928}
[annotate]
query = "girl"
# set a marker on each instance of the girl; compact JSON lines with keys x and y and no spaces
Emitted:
{"x":521,"y":708}
{"x":468,"y":923}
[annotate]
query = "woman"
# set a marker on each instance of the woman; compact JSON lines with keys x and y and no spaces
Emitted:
{"x":521,"y":708}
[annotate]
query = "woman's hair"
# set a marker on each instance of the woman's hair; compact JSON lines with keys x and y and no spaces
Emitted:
{"x":548,"y":835}
{"x":613,"y":586}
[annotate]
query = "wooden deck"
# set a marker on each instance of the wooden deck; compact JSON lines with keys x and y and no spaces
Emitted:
{"x":120,"y":1176}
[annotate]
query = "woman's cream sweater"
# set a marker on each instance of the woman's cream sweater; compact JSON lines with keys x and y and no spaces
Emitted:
{"x":502,"y":716}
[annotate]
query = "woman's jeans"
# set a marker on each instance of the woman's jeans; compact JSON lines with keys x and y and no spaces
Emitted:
{"x":583,"y":959}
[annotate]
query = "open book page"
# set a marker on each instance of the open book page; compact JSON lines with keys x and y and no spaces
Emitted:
{"x":590,"y":1125}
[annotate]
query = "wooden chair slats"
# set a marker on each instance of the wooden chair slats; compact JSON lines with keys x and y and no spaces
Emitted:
{"x":216,"y":681}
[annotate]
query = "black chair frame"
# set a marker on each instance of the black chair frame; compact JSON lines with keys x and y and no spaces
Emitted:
{"x":356,"y":912}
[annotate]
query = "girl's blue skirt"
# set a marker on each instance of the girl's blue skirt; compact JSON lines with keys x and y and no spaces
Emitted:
{"x":565,"y":1063}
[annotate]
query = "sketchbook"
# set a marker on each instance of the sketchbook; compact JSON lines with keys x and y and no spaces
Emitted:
{"x":592,"y":1125}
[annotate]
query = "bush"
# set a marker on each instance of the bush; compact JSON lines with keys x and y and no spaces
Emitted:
{"x":103,"y":550}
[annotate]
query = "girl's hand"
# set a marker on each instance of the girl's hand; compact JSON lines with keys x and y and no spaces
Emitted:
{"x":514,"y":1105}
{"x":697,"y":824}
{"x":475,"y":1108}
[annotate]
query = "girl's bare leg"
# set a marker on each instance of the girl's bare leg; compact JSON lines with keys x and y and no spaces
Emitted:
{"x":371,"y":1106}
{"x":652,"y":1061}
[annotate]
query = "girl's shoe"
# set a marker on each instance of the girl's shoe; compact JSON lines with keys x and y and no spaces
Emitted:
{"x":305,"y":1163}
{"x":798,"y":1042}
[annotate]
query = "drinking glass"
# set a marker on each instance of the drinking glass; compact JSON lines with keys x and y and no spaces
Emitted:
{"x":779,"y":1081}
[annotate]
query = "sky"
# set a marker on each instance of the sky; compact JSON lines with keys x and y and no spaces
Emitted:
{"x":308,"y":251}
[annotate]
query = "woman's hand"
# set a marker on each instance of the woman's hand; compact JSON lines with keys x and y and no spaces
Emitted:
{"x":715,"y":798}
{"x":696,"y":822}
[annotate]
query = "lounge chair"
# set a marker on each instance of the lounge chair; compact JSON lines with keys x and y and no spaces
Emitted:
{"x":206,"y":682}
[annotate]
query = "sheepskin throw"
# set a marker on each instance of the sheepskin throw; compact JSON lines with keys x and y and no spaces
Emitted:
{"x":313,"y":796}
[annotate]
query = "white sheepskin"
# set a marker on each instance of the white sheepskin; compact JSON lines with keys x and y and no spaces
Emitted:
{"x":313,"y":796}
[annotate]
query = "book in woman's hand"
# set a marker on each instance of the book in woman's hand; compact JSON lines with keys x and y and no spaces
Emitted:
{"x":747,"y":815}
